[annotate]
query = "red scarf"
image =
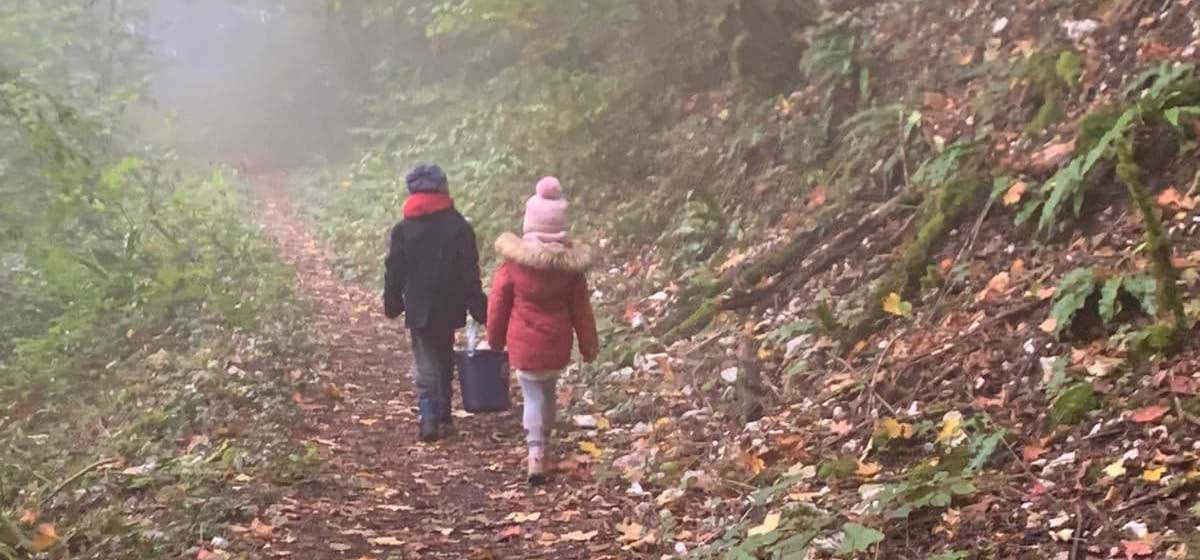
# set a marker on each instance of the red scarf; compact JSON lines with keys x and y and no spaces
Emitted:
{"x":426,"y":203}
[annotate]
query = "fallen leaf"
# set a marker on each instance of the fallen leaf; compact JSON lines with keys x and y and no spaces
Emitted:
{"x":1049,"y":326}
{"x":1169,"y":198}
{"x":45,"y":538}
{"x":386,"y":541}
{"x":591,"y":449}
{"x":818,"y":196}
{"x":1148,"y":414}
{"x":1046,"y":293}
{"x":770,"y":523}
{"x":936,"y":101}
{"x":339,"y":547}
{"x":521,"y":517}
{"x":1014,"y":193}
{"x":1134,"y":549}
{"x":1156,"y":51}
{"x":997,"y":285}
{"x":631,"y":531}
{"x":751,"y":462}
{"x":29,"y":517}
{"x":1116,"y":469}
{"x":368,"y":422}
{"x":951,"y":427}
{"x":892,"y":304}
{"x":1183,"y":385}
{"x":867,"y":470}
{"x":1153,"y":475}
{"x":894,"y":429}
{"x":261,"y":530}
{"x":580,"y":536}
{"x":1032,"y":452}
{"x":1101,"y":366}
{"x":509,"y":532}
{"x":841,"y":427}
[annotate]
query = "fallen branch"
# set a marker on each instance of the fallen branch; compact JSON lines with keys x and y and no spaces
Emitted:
{"x":77,"y":476}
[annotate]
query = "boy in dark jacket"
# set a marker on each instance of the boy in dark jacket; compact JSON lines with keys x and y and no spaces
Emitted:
{"x":433,"y":277}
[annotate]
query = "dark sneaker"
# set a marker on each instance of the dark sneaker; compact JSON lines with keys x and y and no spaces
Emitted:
{"x":429,"y":430}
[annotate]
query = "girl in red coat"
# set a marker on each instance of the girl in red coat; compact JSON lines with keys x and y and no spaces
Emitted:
{"x":539,"y":303}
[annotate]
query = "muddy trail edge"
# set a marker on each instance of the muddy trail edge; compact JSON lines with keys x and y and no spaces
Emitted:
{"x":380,"y":493}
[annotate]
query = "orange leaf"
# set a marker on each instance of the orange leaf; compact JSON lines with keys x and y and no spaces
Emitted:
{"x":1134,"y":549}
{"x":1015,"y":192}
{"x":751,"y":462}
{"x":1049,"y":325}
{"x":867,"y":470}
{"x":29,"y":517}
{"x":1148,"y":414}
{"x":1033,"y":451}
{"x":818,"y":196}
{"x":45,"y":538}
{"x":261,"y":530}
{"x":1169,"y":198}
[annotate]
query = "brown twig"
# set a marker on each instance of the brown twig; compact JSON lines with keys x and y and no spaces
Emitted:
{"x":987,"y":208}
{"x":1077,"y":539}
{"x":77,"y":476}
{"x":1183,"y":413}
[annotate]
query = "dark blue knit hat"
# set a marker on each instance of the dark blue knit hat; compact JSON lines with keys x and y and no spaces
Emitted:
{"x":427,"y":178}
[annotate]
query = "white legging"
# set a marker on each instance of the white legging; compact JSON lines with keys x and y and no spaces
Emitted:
{"x":537,"y":389}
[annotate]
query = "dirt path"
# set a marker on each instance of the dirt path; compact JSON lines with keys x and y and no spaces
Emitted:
{"x":380,"y":493}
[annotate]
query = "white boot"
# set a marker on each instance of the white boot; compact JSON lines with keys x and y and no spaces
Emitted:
{"x":537,"y":466}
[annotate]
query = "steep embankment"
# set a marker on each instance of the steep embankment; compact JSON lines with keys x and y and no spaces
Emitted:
{"x":935,"y":265}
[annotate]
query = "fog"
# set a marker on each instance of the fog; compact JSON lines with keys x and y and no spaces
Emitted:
{"x":251,"y":80}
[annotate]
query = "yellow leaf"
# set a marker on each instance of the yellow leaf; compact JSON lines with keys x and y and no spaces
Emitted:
{"x":751,"y":462}
{"x":591,"y":449}
{"x":45,"y":538}
{"x":386,"y":541}
{"x":867,"y":470}
{"x":521,"y":517}
{"x":1015,"y":192}
{"x":602,"y":423}
{"x":770,"y":523}
{"x":894,"y":429}
{"x":951,"y":426}
{"x":1115,"y":470}
{"x":1153,"y":475}
{"x":893,"y":305}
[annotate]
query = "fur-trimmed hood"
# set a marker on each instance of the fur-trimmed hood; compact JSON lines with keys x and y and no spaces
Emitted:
{"x":576,"y":258}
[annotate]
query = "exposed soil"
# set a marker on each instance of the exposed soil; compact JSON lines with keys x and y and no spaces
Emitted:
{"x":379,"y":492}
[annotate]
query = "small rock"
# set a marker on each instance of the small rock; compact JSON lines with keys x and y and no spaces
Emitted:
{"x":999,"y":25}
{"x":219,"y":543}
{"x":1080,"y":28}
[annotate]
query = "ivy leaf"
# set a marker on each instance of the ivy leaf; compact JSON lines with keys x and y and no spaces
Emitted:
{"x":858,"y":538}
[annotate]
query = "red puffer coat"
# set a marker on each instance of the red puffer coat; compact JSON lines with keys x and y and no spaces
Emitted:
{"x":539,"y":302}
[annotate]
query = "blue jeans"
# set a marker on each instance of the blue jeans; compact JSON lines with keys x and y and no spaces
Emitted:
{"x":433,"y":352}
